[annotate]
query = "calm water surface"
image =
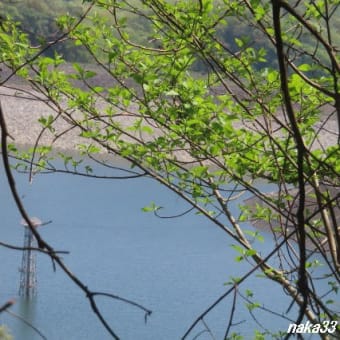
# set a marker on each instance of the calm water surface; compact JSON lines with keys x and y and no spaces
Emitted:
{"x":175,"y":267}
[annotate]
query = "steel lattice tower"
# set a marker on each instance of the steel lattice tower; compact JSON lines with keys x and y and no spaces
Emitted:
{"x":28,"y":270}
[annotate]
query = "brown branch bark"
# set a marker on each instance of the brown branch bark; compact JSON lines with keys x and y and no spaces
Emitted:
{"x":301,"y":151}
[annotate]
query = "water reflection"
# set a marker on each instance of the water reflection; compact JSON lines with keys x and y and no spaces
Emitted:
{"x":27,"y":312}
{"x":23,"y":320}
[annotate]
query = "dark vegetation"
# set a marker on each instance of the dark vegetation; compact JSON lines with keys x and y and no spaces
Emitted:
{"x":38,"y":18}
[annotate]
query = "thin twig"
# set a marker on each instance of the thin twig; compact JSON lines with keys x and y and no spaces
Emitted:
{"x":5,"y":306}
{"x":27,"y":324}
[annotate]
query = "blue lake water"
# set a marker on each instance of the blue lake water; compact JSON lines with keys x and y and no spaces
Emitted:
{"x":175,"y":267}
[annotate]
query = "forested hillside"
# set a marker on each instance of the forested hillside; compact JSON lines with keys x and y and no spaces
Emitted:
{"x":39,"y":19}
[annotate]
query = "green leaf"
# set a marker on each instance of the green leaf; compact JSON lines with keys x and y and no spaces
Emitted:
{"x":304,"y":67}
{"x":238,"y":248}
{"x":252,"y":306}
{"x":152,"y":207}
{"x":171,"y":93}
{"x":249,"y":293}
{"x":147,"y":129}
{"x":250,"y":252}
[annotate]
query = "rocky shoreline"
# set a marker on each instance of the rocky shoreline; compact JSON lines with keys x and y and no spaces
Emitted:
{"x":22,"y":109}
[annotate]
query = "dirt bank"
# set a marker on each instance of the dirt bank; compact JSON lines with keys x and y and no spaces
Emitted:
{"x":22,"y":109}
